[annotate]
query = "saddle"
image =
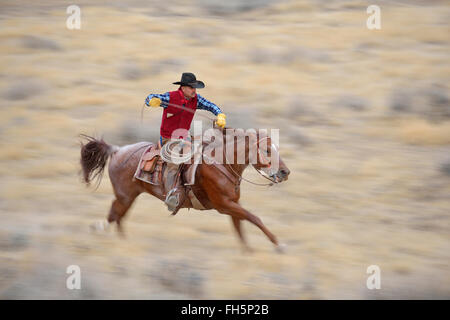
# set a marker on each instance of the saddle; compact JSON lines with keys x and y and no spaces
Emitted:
{"x":148,"y":160}
{"x":154,"y":170}
{"x":150,"y":167}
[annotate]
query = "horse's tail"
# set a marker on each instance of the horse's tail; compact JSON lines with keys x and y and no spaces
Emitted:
{"x":94,"y":155}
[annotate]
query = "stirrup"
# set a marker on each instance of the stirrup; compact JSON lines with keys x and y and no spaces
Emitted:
{"x":172,"y":200}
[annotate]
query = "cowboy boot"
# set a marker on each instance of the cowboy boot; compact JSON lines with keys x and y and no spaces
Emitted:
{"x":175,"y":197}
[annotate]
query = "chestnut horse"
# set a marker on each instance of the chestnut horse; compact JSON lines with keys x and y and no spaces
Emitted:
{"x":217,"y":186}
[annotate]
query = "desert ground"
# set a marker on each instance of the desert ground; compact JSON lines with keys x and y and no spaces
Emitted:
{"x":364,"y":119}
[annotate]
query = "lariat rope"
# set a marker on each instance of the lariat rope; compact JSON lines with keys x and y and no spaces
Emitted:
{"x":179,"y":107}
{"x":169,"y":155}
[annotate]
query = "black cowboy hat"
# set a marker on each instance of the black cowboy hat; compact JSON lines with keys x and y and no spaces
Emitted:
{"x":189,"y":79}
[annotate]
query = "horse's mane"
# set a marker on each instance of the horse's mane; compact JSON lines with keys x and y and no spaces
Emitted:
{"x":234,"y":140}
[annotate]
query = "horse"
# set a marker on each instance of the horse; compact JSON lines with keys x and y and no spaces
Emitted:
{"x":217,"y":186}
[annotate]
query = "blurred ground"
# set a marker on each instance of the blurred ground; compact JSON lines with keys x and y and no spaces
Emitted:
{"x":365,"y":129}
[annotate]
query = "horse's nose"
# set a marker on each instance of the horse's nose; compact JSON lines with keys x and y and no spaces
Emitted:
{"x":284,"y":172}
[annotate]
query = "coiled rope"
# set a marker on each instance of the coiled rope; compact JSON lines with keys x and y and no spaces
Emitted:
{"x":174,"y":151}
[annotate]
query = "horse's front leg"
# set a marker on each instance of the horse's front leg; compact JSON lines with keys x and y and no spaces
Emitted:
{"x":236,"y":211}
{"x":237,"y":227}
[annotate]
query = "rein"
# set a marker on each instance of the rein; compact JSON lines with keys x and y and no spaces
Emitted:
{"x":240,"y":177}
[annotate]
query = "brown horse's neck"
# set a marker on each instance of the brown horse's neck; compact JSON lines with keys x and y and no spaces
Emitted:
{"x":236,"y":167}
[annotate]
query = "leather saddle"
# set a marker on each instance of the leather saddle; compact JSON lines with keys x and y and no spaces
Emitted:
{"x":149,"y":159}
{"x":152,"y":168}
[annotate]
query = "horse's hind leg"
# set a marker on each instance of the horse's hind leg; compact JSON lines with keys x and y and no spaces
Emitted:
{"x":118,"y":210}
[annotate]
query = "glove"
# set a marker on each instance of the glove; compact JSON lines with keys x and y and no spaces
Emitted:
{"x":221,"y":122}
{"x":154,"y":102}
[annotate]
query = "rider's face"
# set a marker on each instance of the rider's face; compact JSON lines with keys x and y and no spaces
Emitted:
{"x":188,"y":92}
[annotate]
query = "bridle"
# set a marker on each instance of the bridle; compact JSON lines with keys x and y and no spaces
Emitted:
{"x":262,"y":173}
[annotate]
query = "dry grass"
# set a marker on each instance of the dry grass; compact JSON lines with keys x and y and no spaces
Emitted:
{"x":413,"y":130}
{"x":425,"y":133}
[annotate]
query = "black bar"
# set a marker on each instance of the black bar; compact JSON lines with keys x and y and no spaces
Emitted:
{"x":226,"y":309}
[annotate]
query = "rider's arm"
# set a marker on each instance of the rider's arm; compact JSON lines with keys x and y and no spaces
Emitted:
{"x":163,"y":97}
{"x":204,"y":104}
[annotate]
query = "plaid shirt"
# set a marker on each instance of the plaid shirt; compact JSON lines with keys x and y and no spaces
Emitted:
{"x":202,"y":103}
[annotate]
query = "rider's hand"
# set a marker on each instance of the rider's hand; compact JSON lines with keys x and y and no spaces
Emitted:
{"x":154,"y":102}
{"x":221,"y":122}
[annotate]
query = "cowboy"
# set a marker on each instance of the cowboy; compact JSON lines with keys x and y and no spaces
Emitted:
{"x":176,"y":116}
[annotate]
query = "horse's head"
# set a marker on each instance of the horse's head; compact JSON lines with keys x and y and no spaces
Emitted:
{"x":260,"y":151}
{"x":269,"y":162}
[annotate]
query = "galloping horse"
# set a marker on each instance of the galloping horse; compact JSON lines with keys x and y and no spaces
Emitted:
{"x":217,"y":186}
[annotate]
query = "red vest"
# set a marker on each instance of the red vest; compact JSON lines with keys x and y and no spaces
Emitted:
{"x":175,"y":118}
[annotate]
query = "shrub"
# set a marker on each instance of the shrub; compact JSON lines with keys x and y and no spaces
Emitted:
{"x":130,"y":71}
{"x":34,"y":42}
{"x":23,"y":90}
{"x":351,"y":102}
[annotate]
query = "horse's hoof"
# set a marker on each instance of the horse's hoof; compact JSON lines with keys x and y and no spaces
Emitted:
{"x":121,"y":234}
{"x":99,"y":226}
{"x":247,"y":250}
{"x":281,"y":248}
